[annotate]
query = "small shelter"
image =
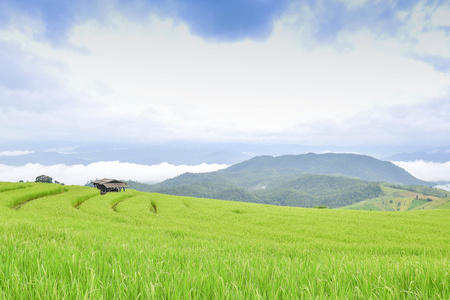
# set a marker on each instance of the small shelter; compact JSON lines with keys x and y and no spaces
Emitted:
{"x":106,"y":185}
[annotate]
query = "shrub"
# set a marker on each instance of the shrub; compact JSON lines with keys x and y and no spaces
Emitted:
{"x":44,"y":178}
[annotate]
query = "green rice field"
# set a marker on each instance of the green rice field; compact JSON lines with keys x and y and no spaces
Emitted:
{"x":70,"y":242}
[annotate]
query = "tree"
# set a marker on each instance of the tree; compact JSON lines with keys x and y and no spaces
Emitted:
{"x":44,"y":178}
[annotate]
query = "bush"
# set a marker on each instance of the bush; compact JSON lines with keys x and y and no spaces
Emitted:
{"x":44,"y":178}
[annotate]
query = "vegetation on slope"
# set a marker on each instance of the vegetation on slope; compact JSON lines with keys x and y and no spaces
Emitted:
{"x":288,"y":190}
{"x":134,"y":245}
{"x":403,"y":198}
{"x":316,"y":190}
{"x":309,"y":180}
{"x":349,"y":165}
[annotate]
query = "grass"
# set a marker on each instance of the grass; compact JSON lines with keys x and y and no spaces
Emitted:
{"x":135,"y":245}
{"x":370,"y":206}
{"x":15,"y":198}
{"x":9,"y":186}
{"x":445,"y":205}
{"x":397,"y":199}
{"x":417,"y":203}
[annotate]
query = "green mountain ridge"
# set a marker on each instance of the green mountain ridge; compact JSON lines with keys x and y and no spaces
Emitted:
{"x":308,"y":180}
{"x":350,"y":165}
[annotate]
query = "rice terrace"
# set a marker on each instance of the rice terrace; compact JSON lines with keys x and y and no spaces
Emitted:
{"x":70,"y":242}
{"x":219,"y":149}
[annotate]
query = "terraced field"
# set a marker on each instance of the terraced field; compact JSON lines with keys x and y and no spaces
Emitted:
{"x":69,"y":242}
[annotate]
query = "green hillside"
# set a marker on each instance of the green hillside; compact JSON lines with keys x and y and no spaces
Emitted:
{"x":69,"y":242}
{"x":287,"y":190}
{"x":315,"y":190}
{"x":403,"y":198}
{"x":308,"y":180}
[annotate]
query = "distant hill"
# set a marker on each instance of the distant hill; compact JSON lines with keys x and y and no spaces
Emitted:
{"x":350,"y":165}
{"x":307,"y":180}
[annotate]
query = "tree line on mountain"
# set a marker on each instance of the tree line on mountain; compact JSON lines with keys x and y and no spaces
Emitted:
{"x":303,"y":191}
{"x":307,"y":180}
{"x":425,"y":190}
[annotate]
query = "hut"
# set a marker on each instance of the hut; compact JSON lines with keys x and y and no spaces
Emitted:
{"x":106,"y":185}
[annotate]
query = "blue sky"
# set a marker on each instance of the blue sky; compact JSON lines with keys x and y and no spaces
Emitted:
{"x":341,"y":72}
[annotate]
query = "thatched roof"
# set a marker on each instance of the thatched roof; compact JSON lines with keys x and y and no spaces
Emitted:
{"x":110,"y":183}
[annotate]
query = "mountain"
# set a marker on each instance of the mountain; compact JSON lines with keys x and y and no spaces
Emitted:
{"x":304,"y":180}
{"x":350,"y":165}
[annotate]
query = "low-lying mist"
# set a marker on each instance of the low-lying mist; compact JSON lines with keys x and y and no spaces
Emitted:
{"x":81,"y":174}
{"x":426,"y":170}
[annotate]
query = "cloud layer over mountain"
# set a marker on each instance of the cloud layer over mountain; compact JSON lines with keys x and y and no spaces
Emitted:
{"x":80,"y":174}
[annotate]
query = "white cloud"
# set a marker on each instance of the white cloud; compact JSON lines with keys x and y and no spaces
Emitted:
{"x":80,"y":174}
{"x":152,"y":80}
{"x":15,"y":153}
{"x":434,"y":43}
{"x":158,"y":73}
{"x":62,"y":150}
{"x":424,"y":30}
{"x":441,"y":17}
{"x":429,"y":171}
{"x":444,"y":187}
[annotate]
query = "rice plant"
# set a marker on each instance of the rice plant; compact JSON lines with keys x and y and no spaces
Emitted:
{"x":134,"y":245}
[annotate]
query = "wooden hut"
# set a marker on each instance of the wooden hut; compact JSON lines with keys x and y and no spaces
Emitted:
{"x":109,"y":185}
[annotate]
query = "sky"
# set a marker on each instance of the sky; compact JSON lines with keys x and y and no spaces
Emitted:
{"x":336,"y":72}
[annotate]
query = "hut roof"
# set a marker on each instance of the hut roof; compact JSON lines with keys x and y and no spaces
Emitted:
{"x":111,"y":183}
